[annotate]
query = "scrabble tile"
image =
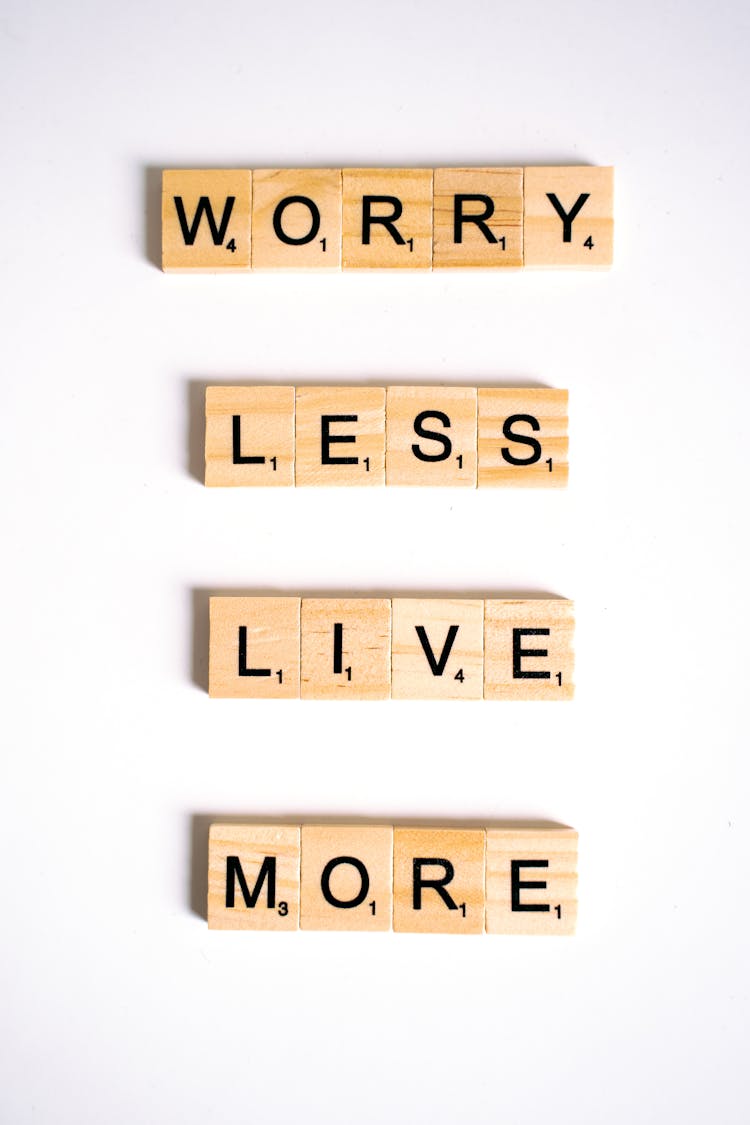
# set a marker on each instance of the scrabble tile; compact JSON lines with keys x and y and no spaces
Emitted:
{"x":528,"y":649}
{"x":522,"y":437}
{"x":253,"y":877}
{"x":438,"y":880}
{"x":346,"y":648}
{"x":431,"y":436}
{"x":250,"y":436}
{"x":297,"y":218}
{"x":340,"y":436}
{"x":347,"y":877}
{"x":387,"y":218}
{"x":205,"y":219}
{"x":437,"y":648}
{"x":531,"y":881}
{"x":254,"y":648}
{"x":478,"y":217}
{"x":568,"y":216}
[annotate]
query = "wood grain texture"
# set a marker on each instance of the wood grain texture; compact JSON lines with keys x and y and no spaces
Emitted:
{"x":331,"y":855}
{"x":266,"y":429}
{"x":358,"y":666}
{"x":449,"y":412}
{"x":356,"y":413}
{"x":205,"y":249}
{"x":437,"y":648}
{"x":590,"y":231}
{"x":280,"y":194}
{"x":454,"y":856}
{"x":512,"y":627}
{"x":495,"y":195}
{"x":527,"y":415}
{"x":523,"y":856}
{"x":248,"y":847}
{"x":258,"y":634}
{"x":407,"y":244}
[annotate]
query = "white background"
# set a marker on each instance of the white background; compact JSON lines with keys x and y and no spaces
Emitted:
{"x":118,"y":1005}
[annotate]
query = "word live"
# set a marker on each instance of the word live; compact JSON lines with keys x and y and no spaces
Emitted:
{"x":443,"y":879}
{"x":353,"y":435}
{"x":386,"y":218}
{"x":390,"y":648}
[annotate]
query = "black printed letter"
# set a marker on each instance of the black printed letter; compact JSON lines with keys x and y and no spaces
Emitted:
{"x":325,"y":882}
{"x":522,"y":439}
{"x":437,"y":667}
{"x":459,"y":218}
{"x":438,"y":885}
{"x":314,"y":220}
{"x":518,"y":652}
{"x":567,"y":219}
{"x":388,"y":221}
{"x":444,"y":440}
{"x":516,"y":884}
{"x":189,"y":233}
{"x":267,"y":871}
{"x":327,"y":439}
{"x":237,"y":458}
{"x":243,"y":668}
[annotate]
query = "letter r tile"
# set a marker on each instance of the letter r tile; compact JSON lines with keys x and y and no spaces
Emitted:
{"x":478,"y":217}
{"x":438,"y":880}
{"x":387,"y":218}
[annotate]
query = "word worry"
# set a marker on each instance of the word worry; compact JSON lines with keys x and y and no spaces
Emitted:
{"x":458,"y":436}
{"x":378,"y":877}
{"x":386,"y":218}
{"x":390,"y":648}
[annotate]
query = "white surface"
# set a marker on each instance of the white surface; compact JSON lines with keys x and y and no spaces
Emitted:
{"x":118,"y":1005}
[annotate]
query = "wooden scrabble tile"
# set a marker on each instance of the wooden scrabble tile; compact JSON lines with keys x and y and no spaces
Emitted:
{"x":346,"y":648}
{"x":250,"y":436}
{"x":253,"y":877}
{"x":431,"y":435}
{"x":340,"y":436}
{"x":568,"y":216}
{"x":297,"y":218}
{"x":522,"y":437}
{"x":387,"y":218}
{"x":478,"y":217}
{"x":531,"y":881}
{"x":528,"y":649}
{"x":438,"y":880}
{"x":254,"y":648}
{"x":437,"y":648}
{"x":347,"y":877}
{"x":205,"y":218}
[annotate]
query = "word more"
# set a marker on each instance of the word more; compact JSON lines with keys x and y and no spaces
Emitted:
{"x":442,"y":879}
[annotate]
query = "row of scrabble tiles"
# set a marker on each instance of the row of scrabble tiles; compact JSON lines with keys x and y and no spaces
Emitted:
{"x":386,"y":218}
{"x":383,"y":648}
{"x":423,"y":435}
{"x":452,"y":880}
